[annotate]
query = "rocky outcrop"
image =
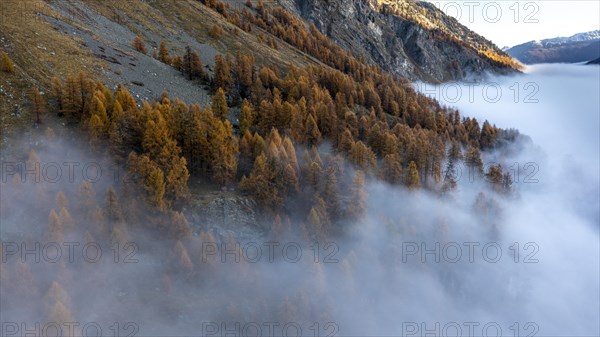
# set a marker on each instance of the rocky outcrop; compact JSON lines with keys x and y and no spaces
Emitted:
{"x":226,"y":213}
{"x":413,"y":40}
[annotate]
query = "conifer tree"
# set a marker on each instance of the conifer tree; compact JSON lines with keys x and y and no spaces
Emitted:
{"x":61,"y":200}
{"x":179,"y":227}
{"x":219,"y":104}
{"x":495,"y":177}
{"x":222,"y":72}
{"x":57,"y":94}
{"x":392,"y":169}
{"x":177,"y":180}
{"x":357,"y":205}
{"x":55,"y":227}
{"x":224,"y":148}
{"x":39,"y":105}
{"x":66,"y":219}
{"x":112,"y":209}
{"x":312,"y":131}
{"x":163,"y":53}
{"x":246,"y":116}
{"x":196,"y":66}
{"x":86,"y":198}
{"x":412,"y":179}
{"x":191,"y":65}
{"x":473,"y":161}
{"x":331,"y":192}
{"x":150,"y":177}
{"x":7,"y":64}
{"x":139,"y":45}
{"x":183,"y":262}
{"x":177,"y":63}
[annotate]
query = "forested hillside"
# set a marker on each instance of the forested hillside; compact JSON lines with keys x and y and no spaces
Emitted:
{"x":189,"y":100}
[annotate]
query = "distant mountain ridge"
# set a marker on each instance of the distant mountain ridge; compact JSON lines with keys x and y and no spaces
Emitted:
{"x":580,"y":47}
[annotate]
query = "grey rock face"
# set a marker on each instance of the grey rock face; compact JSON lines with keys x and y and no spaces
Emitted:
{"x":225,"y":213}
{"x":399,"y":45}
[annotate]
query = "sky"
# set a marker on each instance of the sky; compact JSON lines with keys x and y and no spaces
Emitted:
{"x":512,"y":22}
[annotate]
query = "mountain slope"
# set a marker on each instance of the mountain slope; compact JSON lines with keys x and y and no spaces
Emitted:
{"x":596,"y":61}
{"x":411,"y":39}
{"x":577,"y":48}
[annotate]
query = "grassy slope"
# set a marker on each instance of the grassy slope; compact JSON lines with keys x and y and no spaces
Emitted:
{"x":40,"y":50}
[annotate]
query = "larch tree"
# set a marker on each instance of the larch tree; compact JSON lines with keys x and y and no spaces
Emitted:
{"x":222,"y":73}
{"x":450,"y":176}
{"x":495,"y":177}
{"x":182,"y":260}
{"x":179,"y":228}
{"x":225,"y":147}
{"x":473,"y":161}
{"x":246,"y":116}
{"x":150,"y":177}
{"x":59,"y":314}
{"x":219,"y":105}
{"x":191,"y":65}
{"x":357,"y":205}
{"x":139,"y":45}
{"x":112,"y":210}
{"x":163,"y":53}
{"x":412,"y":179}
{"x":196,"y":66}
{"x":55,"y":227}
{"x":331,"y":193}
{"x":86,"y":198}
{"x":57,"y":94}
{"x":61,"y":200}
{"x":7,"y":64}
{"x":39,"y":105}
{"x":392,"y":169}
{"x":312,"y":131}
{"x":177,"y":62}
{"x":177,"y":180}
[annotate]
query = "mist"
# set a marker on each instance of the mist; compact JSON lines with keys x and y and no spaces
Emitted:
{"x":470,"y":263}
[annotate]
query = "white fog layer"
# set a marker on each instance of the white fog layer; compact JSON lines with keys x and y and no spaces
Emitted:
{"x":558,"y":106}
